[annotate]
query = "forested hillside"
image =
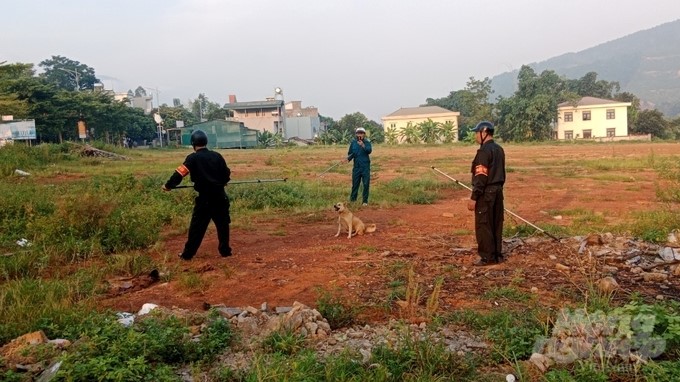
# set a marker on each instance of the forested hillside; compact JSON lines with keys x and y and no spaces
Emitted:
{"x":645,"y":63}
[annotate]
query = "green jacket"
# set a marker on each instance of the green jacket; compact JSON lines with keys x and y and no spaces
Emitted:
{"x":360,"y":154}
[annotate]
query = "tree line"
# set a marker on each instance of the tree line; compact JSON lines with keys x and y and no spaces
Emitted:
{"x":531,"y":112}
{"x":66,"y":92}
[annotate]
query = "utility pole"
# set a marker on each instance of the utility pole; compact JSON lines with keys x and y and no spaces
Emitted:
{"x":157,"y":119}
{"x":75,"y":74}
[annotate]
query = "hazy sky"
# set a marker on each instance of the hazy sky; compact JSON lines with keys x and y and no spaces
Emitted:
{"x":371,"y":56}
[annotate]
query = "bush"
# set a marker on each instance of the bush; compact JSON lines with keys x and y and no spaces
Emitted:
{"x":333,"y":308}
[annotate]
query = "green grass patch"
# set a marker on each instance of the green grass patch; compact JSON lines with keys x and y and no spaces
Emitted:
{"x":654,"y":226}
{"x":512,"y":332}
{"x":510,"y":293}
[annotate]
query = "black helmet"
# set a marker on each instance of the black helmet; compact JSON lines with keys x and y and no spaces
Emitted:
{"x":484,"y":125}
{"x":199,"y":138}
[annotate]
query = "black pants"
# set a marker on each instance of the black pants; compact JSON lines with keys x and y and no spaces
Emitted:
{"x":215,"y":208}
{"x":489,"y":223}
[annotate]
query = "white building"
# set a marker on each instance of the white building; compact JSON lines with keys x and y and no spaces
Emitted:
{"x":591,"y":118}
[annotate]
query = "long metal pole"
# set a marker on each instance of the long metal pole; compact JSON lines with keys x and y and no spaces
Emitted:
{"x":506,"y":210}
{"x":329,"y":169}
{"x":247,"y":181}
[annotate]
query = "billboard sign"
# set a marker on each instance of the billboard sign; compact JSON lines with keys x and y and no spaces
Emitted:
{"x":82,"y":129}
{"x":18,"y":130}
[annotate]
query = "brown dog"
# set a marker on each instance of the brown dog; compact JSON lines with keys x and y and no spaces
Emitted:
{"x":353,"y":224}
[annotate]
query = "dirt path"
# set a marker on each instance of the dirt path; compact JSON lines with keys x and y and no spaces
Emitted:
{"x":287,"y":260}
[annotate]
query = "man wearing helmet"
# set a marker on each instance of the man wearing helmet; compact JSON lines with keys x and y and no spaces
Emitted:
{"x":359,"y":150}
{"x":209,"y":173}
{"x":488,"y":177}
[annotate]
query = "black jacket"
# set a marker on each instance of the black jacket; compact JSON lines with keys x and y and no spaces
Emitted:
{"x":208,"y":170}
{"x":488,"y":168}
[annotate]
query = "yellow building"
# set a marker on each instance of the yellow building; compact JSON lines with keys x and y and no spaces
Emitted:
{"x":592,"y":118}
{"x":401,"y":118}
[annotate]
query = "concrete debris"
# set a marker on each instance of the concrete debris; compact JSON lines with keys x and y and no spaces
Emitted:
{"x":126,"y":319}
{"x":23,"y":242}
{"x":146,"y":309}
{"x":22,"y":173}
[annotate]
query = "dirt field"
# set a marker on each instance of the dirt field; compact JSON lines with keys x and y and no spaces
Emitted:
{"x":285,"y":260}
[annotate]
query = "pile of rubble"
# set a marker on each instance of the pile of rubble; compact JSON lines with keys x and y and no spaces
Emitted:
{"x":254,"y":325}
{"x":89,"y":151}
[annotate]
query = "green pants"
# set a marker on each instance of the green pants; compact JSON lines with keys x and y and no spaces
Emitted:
{"x":359,"y":175}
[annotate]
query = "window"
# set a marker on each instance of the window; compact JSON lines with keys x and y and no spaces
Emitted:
{"x":587,"y":134}
{"x":393,"y":125}
{"x":611,"y":114}
{"x":611,"y":131}
{"x":569,"y":134}
{"x":257,"y":113}
{"x":568,"y":117}
{"x":586,"y":116}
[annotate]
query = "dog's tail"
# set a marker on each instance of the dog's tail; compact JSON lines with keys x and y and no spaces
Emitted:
{"x":370,"y":227}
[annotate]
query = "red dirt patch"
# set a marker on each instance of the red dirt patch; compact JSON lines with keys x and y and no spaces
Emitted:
{"x":285,"y":260}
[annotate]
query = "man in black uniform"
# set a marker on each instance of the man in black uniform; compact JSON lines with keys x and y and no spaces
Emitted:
{"x":210,"y":174}
{"x":488,"y":177}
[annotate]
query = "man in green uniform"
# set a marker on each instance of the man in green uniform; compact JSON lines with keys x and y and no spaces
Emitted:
{"x":488,"y":177}
{"x":209,"y":173}
{"x":359,"y":150}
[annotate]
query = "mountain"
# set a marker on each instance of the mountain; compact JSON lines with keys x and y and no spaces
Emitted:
{"x":645,"y":63}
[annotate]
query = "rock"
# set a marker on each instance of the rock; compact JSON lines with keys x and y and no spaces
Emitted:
{"x":146,"y":308}
{"x":610,"y":269}
{"x":542,"y":362}
{"x":557,"y":217}
{"x":126,"y":319}
{"x":263,"y":307}
{"x":227,"y":312}
{"x":18,"y":350}
{"x":552,"y":257}
{"x":283,"y":309}
{"x":672,"y":238}
{"x":594,"y":239}
{"x":608,"y":238}
{"x":60,"y":343}
{"x":669,"y":254}
{"x":676,"y":271}
{"x":50,"y":372}
{"x":607,"y":284}
{"x":534,"y":290}
{"x":22,"y":173}
{"x":448,"y":215}
{"x":23,"y":243}
{"x":636,"y":270}
{"x":654,"y":277}
{"x":660,"y":297}
{"x":562,"y":267}
{"x":633,"y":260}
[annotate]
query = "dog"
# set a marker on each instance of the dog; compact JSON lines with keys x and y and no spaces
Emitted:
{"x":353,"y":224}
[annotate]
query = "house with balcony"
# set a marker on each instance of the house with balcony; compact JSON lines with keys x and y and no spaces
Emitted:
{"x":267,"y":115}
{"x":592,"y":118}
{"x":405,"y":116}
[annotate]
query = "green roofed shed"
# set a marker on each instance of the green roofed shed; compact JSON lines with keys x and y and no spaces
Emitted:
{"x":222,"y":134}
